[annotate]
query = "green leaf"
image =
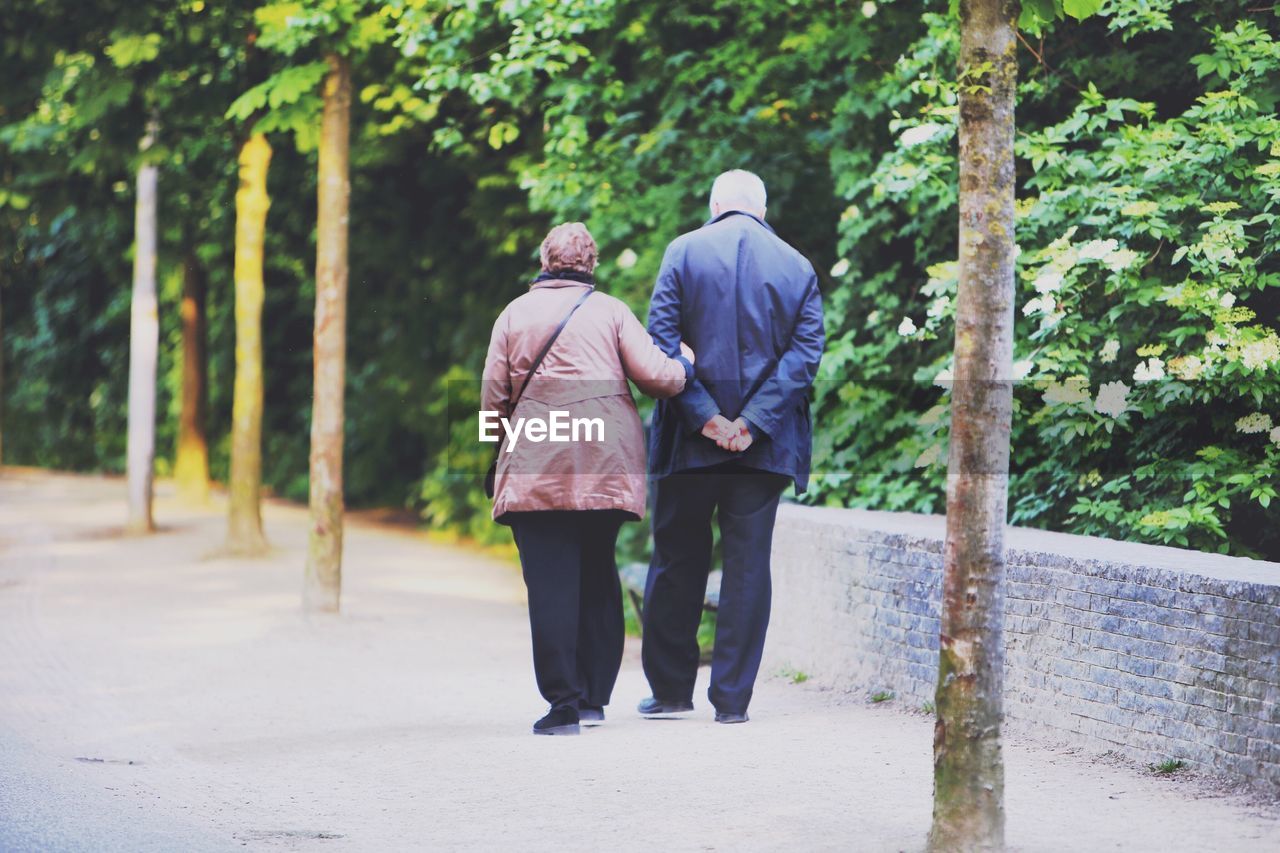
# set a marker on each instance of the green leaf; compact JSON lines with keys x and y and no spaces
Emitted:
{"x":285,"y":87}
{"x":1081,"y":9}
{"x":1035,"y":13}
{"x":134,"y":49}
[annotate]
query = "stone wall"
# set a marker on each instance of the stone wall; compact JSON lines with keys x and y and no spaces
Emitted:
{"x":1151,"y":652}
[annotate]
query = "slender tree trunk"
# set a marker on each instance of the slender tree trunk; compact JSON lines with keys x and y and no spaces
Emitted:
{"x":323,"y":582}
{"x":144,"y":345}
{"x":968,"y":805}
{"x":191,"y":468}
{"x":244,"y":524}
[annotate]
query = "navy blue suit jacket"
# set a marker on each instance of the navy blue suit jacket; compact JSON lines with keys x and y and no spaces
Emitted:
{"x":749,"y":306}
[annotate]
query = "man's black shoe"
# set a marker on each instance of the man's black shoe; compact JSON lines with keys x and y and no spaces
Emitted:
{"x":723,"y":717}
{"x":591,"y":715}
{"x":560,"y":721}
{"x":658,"y":708}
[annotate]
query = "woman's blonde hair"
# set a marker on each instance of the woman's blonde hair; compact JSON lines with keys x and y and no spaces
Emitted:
{"x":569,"y":247}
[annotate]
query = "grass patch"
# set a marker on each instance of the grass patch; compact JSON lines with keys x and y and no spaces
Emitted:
{"x":928,"y":708}
{"x":1168,"y":767}
{"x":795,"y":676}
{"x":881,"y":696}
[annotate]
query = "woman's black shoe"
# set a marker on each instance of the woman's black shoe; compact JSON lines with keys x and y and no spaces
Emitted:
{"x":591,"y":715}
{"x":560,"y":721}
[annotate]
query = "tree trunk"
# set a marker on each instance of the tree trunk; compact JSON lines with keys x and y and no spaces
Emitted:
{"x":968,"y":806}
{"x":144,"y":345}
{"x":244,"y":528}
{"x":323,"y":582}
{"x":1,"y":379}
{"x":191,"y":468}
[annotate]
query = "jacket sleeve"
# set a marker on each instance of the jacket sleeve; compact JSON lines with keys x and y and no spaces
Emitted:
{"x":695,"y":405}
{"x":495,"y":387}
{"x":796,"y":369}
{"x":644,"y":364}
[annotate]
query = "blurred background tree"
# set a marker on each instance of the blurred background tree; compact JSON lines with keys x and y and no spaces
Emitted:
{"x":1146,"y":333}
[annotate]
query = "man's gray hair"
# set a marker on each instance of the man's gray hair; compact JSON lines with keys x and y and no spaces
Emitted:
{"x":738,"y":189}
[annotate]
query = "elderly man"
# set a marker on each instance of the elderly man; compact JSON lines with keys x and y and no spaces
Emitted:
{"x":749,"y":305}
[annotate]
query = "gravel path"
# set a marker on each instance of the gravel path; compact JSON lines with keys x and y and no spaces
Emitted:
{"x":157,"y":696}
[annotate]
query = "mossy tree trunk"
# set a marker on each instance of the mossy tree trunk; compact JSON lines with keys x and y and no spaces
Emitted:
{"x":968,"y":809}
{"x":323,"y":581}
{"x":191,"y":468}
{"x":244,"y":528}
{"x":144,"y":345}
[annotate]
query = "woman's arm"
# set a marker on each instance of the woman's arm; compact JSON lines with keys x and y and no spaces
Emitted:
{"x":495,"y":389}
{"x":647,"y":365}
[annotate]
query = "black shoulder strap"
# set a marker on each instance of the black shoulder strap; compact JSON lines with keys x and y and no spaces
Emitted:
{"x":546,"y":348}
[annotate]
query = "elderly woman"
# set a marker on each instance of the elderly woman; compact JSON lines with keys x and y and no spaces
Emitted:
{"x":565,"y":500}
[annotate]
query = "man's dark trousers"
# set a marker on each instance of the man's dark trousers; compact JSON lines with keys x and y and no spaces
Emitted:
{"x":747,"y":501}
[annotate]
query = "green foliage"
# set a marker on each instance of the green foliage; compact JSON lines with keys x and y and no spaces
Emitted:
{"x":132,"y":49}
{"x":347,"y":26}
{"x":1148,"y":179}
{"x":881,"y":696}
{"x":287,"y":101}
{"x":1168,"y":767}
{"x":1147,"y":244}
{"x":795,"y":676}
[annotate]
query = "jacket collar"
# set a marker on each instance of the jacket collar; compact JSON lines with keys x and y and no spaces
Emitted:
{"x":552,"y":283}
{"x":729,"y":213}
{"x":562,"y":278}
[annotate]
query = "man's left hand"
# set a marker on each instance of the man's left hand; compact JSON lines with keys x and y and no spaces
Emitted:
{"x":740,"y":440}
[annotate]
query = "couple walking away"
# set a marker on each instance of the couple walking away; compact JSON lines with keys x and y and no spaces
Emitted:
{"x":728,"y":435}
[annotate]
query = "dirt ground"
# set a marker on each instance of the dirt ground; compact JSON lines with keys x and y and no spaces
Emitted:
{"x":157,"y":696}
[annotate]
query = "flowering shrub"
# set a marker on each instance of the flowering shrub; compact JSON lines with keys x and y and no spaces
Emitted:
{"x":1147,"y":357}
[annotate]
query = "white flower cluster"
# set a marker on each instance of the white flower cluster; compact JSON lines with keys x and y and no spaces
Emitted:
{"x":1121,"y":259}
{"x":1112,"y":400}
{"x":1071,"y":392}
{"x":920,"y":134}
{"x":907,"y":327}
{"x":1149,"y":370}
{"x":1187,"y":367}
{"x":1256,"y":422}
{"x":1048,"y":280}
{"x":1097,"y":250}
{"x":1110,"y":350}
{"x":1040,"y":305}
{"x":1260,"y":354}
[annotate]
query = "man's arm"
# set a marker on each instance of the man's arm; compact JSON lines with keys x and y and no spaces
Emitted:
{"x":694,"y":405}
{"x":796,"y":370}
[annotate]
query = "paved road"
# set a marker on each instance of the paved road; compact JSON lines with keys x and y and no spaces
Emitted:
{"x":157,"y":696}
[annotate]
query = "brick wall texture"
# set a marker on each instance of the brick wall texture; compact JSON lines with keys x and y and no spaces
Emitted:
{"x":1150,"y":652}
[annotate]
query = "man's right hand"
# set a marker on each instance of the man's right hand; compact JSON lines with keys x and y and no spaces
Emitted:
{"x":720,"y":430}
